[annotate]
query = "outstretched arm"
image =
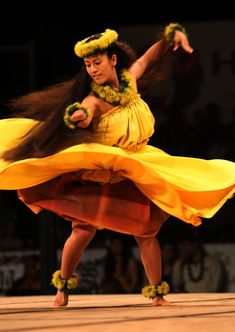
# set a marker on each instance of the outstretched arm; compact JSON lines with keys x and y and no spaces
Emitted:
{"x":80,"y":114}
{"x":175,"y":37}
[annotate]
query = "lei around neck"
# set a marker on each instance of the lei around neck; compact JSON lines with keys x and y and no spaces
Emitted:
{"x":116,"y":97}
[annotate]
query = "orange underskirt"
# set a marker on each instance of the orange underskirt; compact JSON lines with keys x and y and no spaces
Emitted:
{"x":120,"y":207}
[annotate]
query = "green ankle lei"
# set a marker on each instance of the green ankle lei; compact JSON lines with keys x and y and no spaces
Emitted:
{"x":159,"y":290}
{"x":116,"y":97}
{"x":64,"y":285}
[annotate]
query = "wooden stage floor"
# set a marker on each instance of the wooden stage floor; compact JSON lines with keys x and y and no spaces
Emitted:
{"x":119,"y":313}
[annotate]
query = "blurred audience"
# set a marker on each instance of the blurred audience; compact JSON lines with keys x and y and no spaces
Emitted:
{"x":30,"y":283}
{"x":195,"y":270}
{"x":169,"y":256}
{"x":120,"y":269}
{"x":10,"y":240}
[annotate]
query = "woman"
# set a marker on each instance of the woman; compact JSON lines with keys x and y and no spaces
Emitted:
{"x":90,"y":163}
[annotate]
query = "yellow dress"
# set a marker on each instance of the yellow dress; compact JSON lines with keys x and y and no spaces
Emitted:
{"x":184,"y":187}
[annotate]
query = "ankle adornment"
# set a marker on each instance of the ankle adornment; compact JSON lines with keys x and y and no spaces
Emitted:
{"x":64,"y":285}
{"x":159,"y":290}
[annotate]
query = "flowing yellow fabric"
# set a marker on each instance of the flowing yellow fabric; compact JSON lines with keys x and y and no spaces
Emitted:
{"x":187,"y":188}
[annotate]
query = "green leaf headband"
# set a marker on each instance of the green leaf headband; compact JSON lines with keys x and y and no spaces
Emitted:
{"x":92,"y":45}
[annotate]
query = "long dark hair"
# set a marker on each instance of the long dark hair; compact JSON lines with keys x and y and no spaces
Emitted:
{"x":47,"y":106}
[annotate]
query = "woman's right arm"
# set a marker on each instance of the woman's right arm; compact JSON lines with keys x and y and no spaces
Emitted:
{"x":90,"y":104}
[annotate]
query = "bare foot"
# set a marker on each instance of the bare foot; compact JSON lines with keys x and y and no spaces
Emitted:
{"x":61,"y":299}
{"x":160,"y":301}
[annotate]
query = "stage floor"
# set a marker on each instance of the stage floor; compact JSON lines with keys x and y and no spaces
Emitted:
{"x":119,"y":313}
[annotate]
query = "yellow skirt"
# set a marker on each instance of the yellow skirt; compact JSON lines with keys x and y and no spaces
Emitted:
{"x":184,"y":187}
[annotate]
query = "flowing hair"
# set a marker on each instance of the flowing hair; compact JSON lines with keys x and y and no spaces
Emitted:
{"x":50,"y":134}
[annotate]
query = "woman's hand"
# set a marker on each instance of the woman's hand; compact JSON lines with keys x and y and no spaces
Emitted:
{"x":82,"y":118}
{"x":180,"y":39}
{"x":78,"y":115}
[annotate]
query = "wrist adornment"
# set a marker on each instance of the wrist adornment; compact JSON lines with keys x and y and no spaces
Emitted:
{"x":159,"y":290}
{"x":64,"y":285}
{"x":69,"y":112}
{"x":170,"y":30}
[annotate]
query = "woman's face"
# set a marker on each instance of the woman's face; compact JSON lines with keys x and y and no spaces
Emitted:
{"x":101,"y":68}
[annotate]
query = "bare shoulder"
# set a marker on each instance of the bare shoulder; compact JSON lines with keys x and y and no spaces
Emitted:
{"x":90,"y":101}
{"x":133,"y":70}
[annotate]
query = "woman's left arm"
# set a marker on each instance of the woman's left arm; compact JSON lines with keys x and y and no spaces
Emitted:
{"x":178,"y":39}
{"x":181,"y":39}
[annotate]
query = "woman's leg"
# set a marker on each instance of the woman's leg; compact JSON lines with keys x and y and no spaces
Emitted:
{"x":72,"y":251}
{"x":150,"y":254}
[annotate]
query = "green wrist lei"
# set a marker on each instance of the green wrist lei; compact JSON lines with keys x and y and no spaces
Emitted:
{"x":159,"y":290}
{"x":69,"y":112}
{"x":64,"y":285}
{"x":170,"y":30}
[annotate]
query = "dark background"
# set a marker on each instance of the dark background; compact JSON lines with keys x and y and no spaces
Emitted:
{"x":52,"y":29}
{"x":21,"y":21}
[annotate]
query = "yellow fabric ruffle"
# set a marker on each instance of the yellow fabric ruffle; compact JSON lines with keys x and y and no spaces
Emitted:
{"x":187,"y":188}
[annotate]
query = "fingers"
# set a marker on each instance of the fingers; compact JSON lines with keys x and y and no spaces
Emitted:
{"x":180,"y":39}
{"x":185,"y":45}
{"x":78,"y":115}
{"x":176,"y":46}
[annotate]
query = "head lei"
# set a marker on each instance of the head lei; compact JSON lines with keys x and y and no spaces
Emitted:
{"x":92,"y":45}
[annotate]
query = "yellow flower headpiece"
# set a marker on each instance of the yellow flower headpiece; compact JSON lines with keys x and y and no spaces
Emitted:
{"x":91,"y":45}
